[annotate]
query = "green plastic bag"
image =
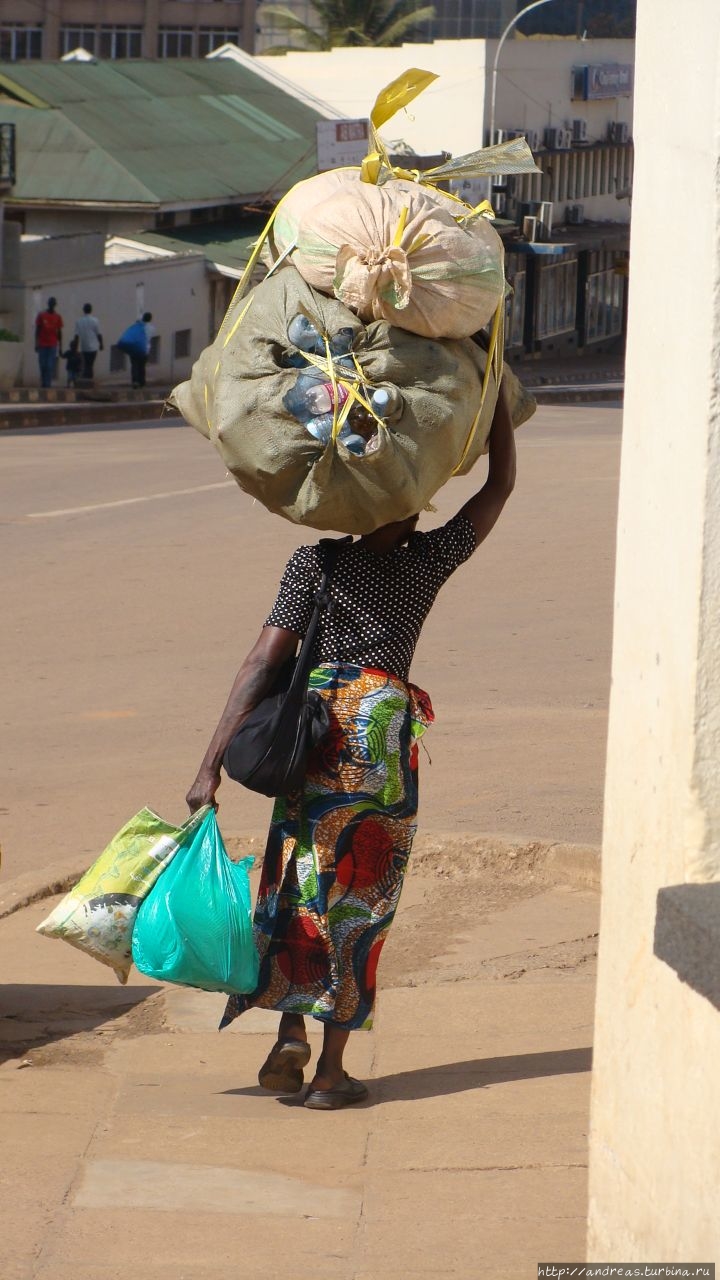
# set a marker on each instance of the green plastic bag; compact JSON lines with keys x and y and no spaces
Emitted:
{"x":195,"y":927}
{"x":98,"y":915}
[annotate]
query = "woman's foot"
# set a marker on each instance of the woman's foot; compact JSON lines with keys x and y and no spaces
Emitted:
{"x":343,"y":1094}
{"x":282,"y":1070}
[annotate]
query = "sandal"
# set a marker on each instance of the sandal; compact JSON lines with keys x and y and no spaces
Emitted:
{"x":282,"y":1070}
{"x":342,"y":1095}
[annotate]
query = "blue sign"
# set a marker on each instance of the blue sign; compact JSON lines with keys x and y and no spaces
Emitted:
{"x":603,"y":80}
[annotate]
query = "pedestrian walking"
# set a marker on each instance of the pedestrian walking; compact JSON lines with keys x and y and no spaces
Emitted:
{"x":135,"y":342}
{"x":73,"y":361}
{"x":87,"y":330}
{"x":338,"y":849}
{"x":48,"y":341}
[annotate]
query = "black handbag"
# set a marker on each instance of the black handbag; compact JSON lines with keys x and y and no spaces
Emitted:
{"x":270,"y":749}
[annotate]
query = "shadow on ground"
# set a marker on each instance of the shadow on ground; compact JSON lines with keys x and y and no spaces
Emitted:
{"x":457,"y":1077}
{"x":33,"y":1015}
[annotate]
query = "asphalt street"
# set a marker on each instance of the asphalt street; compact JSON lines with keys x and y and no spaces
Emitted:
{"x":135,"y":575}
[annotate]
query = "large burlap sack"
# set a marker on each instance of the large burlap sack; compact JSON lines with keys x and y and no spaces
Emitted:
{"x":235,"y":398}
{"x":394,"y":253}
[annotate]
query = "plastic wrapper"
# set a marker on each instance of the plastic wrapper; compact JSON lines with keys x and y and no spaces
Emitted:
{"x":98,"y":915}
{"x":195,"y":929}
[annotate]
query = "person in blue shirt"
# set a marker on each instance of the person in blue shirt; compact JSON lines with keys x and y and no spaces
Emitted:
{"x":135,"y":342}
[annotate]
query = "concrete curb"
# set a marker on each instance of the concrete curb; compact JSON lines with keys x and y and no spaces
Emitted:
{"x":33,"y":886}
{"x":577,"y":866}
{"x":578,"y":394}
{"x":82,"y":414}
{"x":86,"y":413}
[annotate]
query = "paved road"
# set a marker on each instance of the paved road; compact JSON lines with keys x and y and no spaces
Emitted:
{"x":135,"y":576}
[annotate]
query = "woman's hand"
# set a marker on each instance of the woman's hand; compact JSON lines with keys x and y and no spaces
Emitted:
{"x":203,"y":789}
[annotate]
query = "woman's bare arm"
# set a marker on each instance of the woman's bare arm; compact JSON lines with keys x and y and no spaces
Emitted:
{"x":253,"y":681}
{"x":485,"y":507}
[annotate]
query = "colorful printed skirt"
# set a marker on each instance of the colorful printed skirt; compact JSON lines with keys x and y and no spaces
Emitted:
{"x":337,"y":852}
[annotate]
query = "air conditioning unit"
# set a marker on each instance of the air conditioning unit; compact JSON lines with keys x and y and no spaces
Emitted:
{"x":532,"y":137}
{"x":557,"y":139}
{"x":545,"y":219}
{"x":579,"y":130}
{"x":530,"y":228}
{"x":575,"y":214}
{"x":618,"y":131}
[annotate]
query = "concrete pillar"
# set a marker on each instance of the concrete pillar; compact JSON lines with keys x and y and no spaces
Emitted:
{"x":151,"y":22}
{"x":655,"y":1133}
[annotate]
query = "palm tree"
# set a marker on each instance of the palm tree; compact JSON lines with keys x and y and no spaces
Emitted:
{"x":349,"y":22}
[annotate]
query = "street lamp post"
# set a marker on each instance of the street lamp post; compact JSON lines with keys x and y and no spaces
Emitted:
{"x":535,"y":5}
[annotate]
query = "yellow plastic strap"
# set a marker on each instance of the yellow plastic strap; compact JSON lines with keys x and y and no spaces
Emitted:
{"x":400,"y":228}
{"x":207,"y":416}
{"x":482,"y":210}
{"x":238,"y":322}
{"x":493,"y":364}
{"x":244,"y":280}
{"x":334,"y":381}
{"x":399,"y":93}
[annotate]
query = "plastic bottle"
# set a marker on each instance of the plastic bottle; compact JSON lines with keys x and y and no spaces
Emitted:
{"x":304,"y":334}
{"x":321,"y":427}
{"x":387,"y":402}
{"x":341,"y":342}
{"x":323,"y":396}
{"x":354,"y":443}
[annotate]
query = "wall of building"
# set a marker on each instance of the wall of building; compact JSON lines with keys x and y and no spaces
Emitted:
{"x":447,"y":116}
{"x":61,"y":222}
{"x":176,"y":291}
{"x":534,"y":82}
{"x":655,"y":1130}
{"x":132,"y":25}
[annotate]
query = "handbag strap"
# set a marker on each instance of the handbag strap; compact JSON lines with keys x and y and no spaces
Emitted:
{"x":330,"y":550}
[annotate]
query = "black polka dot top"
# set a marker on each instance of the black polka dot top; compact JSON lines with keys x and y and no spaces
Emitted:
{"x":379,"y":602}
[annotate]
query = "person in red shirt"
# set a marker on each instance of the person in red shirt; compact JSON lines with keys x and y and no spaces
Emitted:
{"x":48,"y":341}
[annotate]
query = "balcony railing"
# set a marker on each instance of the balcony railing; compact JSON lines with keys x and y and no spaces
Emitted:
{"x":7,"y":156}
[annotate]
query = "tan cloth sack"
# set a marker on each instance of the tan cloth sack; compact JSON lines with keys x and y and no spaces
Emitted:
{"x":396,"y":253}
{"x":235,"y":398}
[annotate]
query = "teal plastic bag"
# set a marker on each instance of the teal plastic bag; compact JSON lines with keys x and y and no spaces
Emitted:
{"x":194,"y":927}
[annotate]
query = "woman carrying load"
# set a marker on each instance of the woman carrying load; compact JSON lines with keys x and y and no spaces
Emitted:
{"x":337,"y":851}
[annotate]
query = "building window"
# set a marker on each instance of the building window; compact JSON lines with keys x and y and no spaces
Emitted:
{"x":210,"y":38}
{"x":77,"y":38}
{"x":557,"y":298}
{"x":17,"y":42}
{"x":121,"y":42}
{"x":154,"y":352}
{"x":165,"y":221}
{"x":181,"y":343}
{"x":175,"y":42}
{"x":603,"y":305}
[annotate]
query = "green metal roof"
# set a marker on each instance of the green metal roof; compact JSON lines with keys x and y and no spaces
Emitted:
{"x":223,"y":246}
{"x":161,"y":133}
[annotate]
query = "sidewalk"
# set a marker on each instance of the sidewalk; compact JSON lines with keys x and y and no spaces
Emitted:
{"x":137,"y":1141}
